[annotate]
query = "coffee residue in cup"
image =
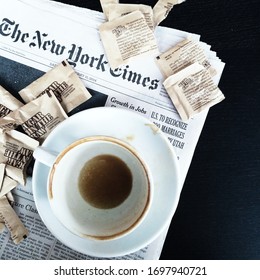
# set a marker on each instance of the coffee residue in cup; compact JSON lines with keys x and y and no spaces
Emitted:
{"x":105,"y":181}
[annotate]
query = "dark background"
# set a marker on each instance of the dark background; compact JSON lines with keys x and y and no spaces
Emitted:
{"x":218,"y":216}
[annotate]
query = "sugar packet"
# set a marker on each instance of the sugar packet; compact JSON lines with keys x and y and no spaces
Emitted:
{"x":16,"y":151}
{"x":105,"y":5}
{"x":8,"y":217}
{"x":10,"y":198}
{"x":37,"y":118}
{"x":182,"y":55}
{"x":162,"y":8}
{"x":192,"y":90}
{"x":118,"y":10}
{"x":2,"y":225}
{"x":127,"y":37}
{"x":2,"y":174}
{"x":8,"y":102}
{"x":63,"y":82}
{"x":6,"y":183}
{"x":12,"y":221}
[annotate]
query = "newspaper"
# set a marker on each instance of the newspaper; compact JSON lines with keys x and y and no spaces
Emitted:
{"x":137,"y":86}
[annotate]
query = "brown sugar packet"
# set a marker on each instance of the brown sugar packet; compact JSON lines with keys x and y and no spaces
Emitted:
{"x":37,"y":118}
{"x":162,"y":9}
{"x":118,"y":10}
{"x":3,"y":188}
{"x":8,"y":102}
{"x":105,"y":4}
{"x":7,"y":123}
{"x":192,"y":90}
{"x":182,"y":55}
{"x":63,"y":82}
{"x":6,"y":183}
{"x":2,"y":225}
{"x":2,"y":174}
{"x":127,"y":37}
{"x":11,"y":201}
{"x":12,"y":221}
{"x":16,"y":151}
{"x":2,"y":222}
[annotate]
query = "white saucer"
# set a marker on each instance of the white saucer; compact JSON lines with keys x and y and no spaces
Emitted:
{"x":153,"y":147}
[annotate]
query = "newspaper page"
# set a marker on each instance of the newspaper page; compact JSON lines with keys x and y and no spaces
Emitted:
{"x":44,"y":44}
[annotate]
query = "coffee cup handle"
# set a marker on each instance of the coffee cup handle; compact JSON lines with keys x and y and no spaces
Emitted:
{"x":45,"y":156}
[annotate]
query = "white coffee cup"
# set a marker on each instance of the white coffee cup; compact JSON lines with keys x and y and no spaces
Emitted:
{"x":77,"y":208}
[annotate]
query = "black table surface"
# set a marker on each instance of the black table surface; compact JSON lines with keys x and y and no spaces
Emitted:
{"x":218,"y":216}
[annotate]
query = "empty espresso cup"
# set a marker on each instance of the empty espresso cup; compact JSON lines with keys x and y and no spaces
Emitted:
{"x":98,"y":187}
